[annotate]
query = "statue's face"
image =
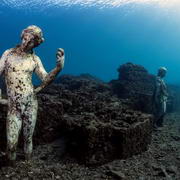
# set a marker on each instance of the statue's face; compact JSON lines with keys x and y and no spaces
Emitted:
{"x":30,"y":41}
{"x":162,"y":74}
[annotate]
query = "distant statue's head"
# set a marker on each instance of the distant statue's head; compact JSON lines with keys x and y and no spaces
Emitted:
{"x":31,"y":37}
{"x":162,"y":72}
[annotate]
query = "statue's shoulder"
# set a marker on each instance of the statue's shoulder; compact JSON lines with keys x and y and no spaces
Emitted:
{"x":5,"y":54}
{"x":35,"y":57}
{"x":8,"y":51}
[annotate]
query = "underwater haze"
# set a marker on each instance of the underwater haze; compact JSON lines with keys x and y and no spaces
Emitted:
{"x":99,"y":35}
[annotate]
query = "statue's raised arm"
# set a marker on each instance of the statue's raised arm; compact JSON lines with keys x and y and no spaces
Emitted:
{"x":48,"y":78}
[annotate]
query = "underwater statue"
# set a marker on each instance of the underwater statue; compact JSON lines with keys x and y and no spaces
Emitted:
{"x":18,"y":65}
{"x":160,"y":98}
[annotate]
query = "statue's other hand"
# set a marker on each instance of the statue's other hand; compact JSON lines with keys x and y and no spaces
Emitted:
{"x":60,"y":57}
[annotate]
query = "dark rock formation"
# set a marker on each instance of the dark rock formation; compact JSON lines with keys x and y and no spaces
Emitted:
{"x":136,"y":84}
{"x":173,"y":104}
{"x":97,"y":141}
{"x":100,"y":127}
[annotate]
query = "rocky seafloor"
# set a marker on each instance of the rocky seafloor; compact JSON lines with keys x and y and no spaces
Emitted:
{"x":160,"y":161}
{"x":88,"y":129}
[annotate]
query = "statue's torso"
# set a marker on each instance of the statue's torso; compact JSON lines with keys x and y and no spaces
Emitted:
{"x":18,"y":75}
{"x":163,"y":89}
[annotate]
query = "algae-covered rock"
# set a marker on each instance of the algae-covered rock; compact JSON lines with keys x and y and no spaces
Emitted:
{"x":136,"y":84}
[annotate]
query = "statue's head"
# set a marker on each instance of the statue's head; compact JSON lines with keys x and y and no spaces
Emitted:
{"x":162,"y":72}
{"x":32,"y":37}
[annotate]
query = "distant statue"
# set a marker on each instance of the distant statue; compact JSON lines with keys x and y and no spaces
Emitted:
{"x":160,"y":98}
{"x":18,"y":65}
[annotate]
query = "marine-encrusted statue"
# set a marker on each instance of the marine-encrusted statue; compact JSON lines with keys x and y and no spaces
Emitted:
{"x":160,"y":98}
{"x":18,"y":64}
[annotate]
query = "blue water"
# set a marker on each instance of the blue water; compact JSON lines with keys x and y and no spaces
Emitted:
{"x":97,"y":41}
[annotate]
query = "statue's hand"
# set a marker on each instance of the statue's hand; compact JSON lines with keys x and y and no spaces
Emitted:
{"x":60,"y":57}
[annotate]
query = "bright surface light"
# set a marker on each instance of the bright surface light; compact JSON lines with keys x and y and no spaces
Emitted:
{"x":87,"y":3}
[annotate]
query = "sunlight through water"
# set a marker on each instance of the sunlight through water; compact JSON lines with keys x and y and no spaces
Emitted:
{"x":86,"y":3}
